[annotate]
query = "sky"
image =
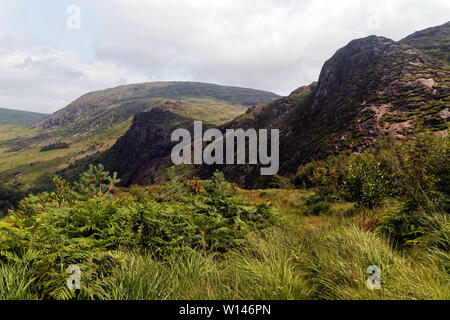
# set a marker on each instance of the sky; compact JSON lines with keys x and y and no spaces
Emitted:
{"x":53,"y":51}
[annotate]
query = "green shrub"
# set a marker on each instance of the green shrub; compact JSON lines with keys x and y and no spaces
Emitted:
{"x":366,"y":182}
{"x":55,"y":146}
{"x":316,"y":205}
{"x":217,"y":186}
{"x":84,"y":231}
{"x":96,"y":181}
{"x":10,"y":197}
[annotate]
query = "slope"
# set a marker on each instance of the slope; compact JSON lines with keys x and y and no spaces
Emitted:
{"x":9,"y":116}
{"x":96,"y":120}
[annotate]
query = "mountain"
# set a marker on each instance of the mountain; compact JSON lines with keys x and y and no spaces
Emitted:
{"x":110,"y":106}
{"x":94,"y":122}
{"x":435,"y":42}
{"x":371,"y":87}
{"x":9,"y":116}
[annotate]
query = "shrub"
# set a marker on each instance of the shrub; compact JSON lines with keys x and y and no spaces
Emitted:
{"x":55,"y":146}
{"x":316,"y":205}
{"x":9,"y":198}
{"x":85,"y":231}
{"x":217,"y":186}
{"x":366,"y":182}
{"x":96,"y":181}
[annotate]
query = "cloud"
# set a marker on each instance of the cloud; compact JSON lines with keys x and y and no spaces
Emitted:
{"x":38,"y":77}
{"x":276,"y":45}
{"x":273,"y":45}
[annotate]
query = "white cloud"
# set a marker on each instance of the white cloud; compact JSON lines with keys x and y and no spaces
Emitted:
{"x":272,"y":45}
{"x":40,"y":78}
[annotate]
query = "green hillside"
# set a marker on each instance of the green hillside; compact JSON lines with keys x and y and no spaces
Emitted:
{"x":10,"y":116}
{"x":368,"y":89}
{"x":95,"y":121}
{"x":435,"y":42}
{"x":360,"y":210}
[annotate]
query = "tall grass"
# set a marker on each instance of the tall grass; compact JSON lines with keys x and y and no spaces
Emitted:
{"x":302,"y":256}
{"x":15,"y":282}
{"x":299,"y":258}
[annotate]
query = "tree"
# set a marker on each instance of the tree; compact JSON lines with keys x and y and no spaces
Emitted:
{"x":96,"y":181}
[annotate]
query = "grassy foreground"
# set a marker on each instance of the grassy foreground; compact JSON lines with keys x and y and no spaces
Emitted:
{"x":293,"y":255}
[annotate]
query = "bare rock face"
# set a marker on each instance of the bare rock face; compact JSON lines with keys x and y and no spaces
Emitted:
{"x":372,"y":87}
{"x":137,"y":155}
{"x":369,"y":88}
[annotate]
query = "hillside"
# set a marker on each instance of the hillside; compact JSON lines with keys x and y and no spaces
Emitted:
{"x":370,"y":88}
{"x":10,"y":116}
{"x":96,"y":120}
{"x":435,"y":42}
{"x":110,"y":106}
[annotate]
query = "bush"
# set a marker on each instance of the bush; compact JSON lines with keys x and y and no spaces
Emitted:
{"x":96,"y":181}
{"x":217,"y":186}
{"x":55,"y":146}
{"x":84,"y":231}
{"x":9,"y":198}
{"x":366,"y":182}
{"x":317,"y":205}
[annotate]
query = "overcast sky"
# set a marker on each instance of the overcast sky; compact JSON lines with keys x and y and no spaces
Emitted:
{"x":276,"y":45}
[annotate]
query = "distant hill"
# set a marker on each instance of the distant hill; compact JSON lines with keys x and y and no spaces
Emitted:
{"x":95,"y":121}
{"x":435,"y":42}
{"x":370,"y":88}
{"x":106,"y":107}
{"x":9,"y":116}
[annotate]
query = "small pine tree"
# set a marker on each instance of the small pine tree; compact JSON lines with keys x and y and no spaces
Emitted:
{"x":63,"y":192}
{"x":96,"y":181}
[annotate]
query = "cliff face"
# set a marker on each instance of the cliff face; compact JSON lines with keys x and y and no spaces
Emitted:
{"x":369,"y":88}
{"x":138,"y":154}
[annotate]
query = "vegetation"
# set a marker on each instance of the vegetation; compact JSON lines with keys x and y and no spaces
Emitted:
{"x":55,"y":146}
{"x":194,"y":239}
{"x":50,"y":231}
{"x":8,"y":116}
{"x":413,"y":174}
{"x":9,"y":198}
{"x":372,"y":199}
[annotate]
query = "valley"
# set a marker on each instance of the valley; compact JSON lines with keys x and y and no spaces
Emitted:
{"x":363,"y":185}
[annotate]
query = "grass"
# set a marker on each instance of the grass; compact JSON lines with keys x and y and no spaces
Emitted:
{"x":26,"y":163}
{"x":301,"y":256}
{"x":9,"y":116}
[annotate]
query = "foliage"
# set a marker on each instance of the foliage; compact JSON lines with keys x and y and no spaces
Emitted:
{"x":84,"y":231}
{"x":96,"y":181}
{"x":63,"y":191}
{"x":416,"y":168}
{"x":55,"y":146}
{"x":366,"y":182}
{"x":9,"y":198}
{"x":218,"y":186}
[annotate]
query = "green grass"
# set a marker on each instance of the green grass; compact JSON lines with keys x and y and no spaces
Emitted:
{"x":21,"y":159}
{"x":301,"y":256}
{"x":9,"y":116}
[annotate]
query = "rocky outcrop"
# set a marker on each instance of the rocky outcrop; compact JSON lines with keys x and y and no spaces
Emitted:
{"x":371,"y":87}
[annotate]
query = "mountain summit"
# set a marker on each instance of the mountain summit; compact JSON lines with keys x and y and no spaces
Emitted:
{"x":371,"y":87}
